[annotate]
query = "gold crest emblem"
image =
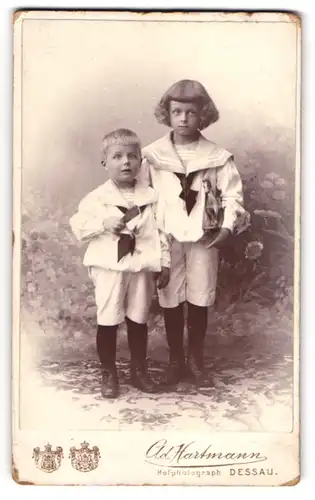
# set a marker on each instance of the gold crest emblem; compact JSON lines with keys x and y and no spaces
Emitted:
{"x":84,"y":459}
{"x":48,"y":460}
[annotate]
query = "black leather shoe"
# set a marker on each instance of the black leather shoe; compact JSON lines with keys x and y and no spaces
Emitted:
{"x":196,"y":368}
{"x":109,"y":387}
{"x":140,"y":380}
{"x":175,"y":372}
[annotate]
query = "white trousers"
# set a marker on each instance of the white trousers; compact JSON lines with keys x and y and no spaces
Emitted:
{"x":194,"y":270}
{"x":119,"y":294}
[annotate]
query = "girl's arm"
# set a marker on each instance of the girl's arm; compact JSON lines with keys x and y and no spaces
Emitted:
{"x":230,"y":184}
{"x":144,"y":176}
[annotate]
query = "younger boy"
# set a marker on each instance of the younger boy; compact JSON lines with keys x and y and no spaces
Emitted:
{"x":125,"y":249}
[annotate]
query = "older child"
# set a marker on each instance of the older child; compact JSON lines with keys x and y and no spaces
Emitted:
{"x":202,"y":195}
{"x":125,"y":248}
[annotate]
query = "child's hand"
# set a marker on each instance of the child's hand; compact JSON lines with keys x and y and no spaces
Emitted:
{"x":114,"y":224}
{"x":220,"y":239}
{"x":163,"y":278}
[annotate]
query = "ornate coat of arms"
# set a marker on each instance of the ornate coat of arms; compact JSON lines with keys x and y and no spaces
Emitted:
{"x":48,"y":460}
{"x":84,"y":459}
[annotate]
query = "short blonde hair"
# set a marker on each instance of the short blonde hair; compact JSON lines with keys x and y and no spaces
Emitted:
{"x":120,"y":136}
{"x":187,"y":91}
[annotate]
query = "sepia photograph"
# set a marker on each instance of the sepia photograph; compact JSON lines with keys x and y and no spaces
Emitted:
{"x":156,"y":247}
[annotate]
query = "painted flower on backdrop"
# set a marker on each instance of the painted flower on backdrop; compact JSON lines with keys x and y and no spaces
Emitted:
{"x":254,"y":250}
{"x":275,"y":184}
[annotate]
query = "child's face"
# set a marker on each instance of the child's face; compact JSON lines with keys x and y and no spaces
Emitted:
{"x":123,"y":163}
{"x":184,"y":118}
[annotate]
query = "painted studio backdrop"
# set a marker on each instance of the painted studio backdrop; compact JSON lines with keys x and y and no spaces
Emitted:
{"x":80,"y":80}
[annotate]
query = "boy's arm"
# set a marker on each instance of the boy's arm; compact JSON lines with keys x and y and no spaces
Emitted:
{"x":86,"y":224}
{"x":165,"y":239}
{"x":229,"y":182}
{"x":145,"y":177}
{"x":92,"y":219}
{"x":163,"y":276}
{"x":165,"y":249}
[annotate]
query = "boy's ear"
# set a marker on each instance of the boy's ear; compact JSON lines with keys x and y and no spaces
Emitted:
{"x":103,"y":163}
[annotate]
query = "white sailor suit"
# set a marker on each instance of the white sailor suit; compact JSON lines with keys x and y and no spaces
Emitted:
{"x":194,"y":267}
{"x":123,"y":283}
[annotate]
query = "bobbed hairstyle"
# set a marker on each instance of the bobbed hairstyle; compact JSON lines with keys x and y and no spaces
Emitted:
{"x":187,"y":91}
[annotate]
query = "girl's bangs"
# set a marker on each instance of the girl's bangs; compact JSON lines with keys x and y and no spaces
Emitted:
{"x":187,"y":91}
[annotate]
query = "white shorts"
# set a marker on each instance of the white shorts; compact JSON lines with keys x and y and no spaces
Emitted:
{"x":194,"y":270}
{"x":119,"y":294}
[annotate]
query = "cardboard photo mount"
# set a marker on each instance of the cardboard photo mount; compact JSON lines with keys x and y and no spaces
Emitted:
{"x":78,"y":75}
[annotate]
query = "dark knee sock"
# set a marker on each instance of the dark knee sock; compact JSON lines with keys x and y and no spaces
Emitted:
{"x":106,"y":339}
{"x":197,"y":319}
{"x":137,"y":339}
{"x":174,"y":326}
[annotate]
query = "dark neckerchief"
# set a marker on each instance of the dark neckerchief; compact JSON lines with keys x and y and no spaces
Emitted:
{"x":187,"y":194}
{"x":127,"y":242}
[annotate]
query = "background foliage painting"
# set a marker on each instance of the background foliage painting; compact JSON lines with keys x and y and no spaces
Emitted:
{"x":252,"y":321}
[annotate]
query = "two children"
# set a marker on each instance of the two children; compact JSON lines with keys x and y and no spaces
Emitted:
{"x":175,"y":229}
